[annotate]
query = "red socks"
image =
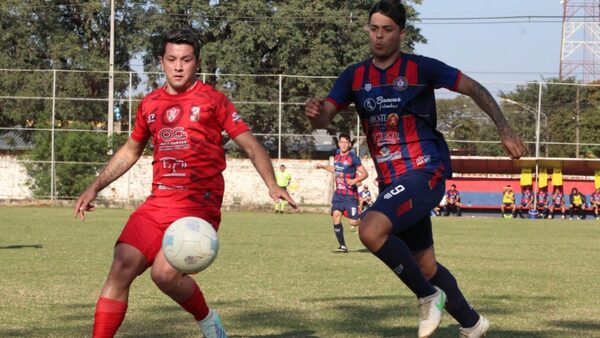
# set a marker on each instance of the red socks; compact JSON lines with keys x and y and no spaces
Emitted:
{"x":196,"y":305}
{"x":108,"y":317}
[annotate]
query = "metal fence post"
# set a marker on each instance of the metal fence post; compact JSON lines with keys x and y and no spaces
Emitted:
{"x":280,"y":111}
{"x":52,"y":153}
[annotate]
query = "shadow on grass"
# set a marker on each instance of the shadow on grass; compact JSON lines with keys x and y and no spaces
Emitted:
{"x":360,"y":316}
{"x":23,"y":246}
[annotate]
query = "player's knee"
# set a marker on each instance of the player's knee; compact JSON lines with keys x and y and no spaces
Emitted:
{"x":165,"y":279}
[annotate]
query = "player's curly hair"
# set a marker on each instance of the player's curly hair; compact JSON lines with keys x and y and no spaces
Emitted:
{"x":179,"y":36}
{"x":393,"y":9}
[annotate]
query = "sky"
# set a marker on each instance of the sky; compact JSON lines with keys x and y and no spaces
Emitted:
{"x":495,"y":54}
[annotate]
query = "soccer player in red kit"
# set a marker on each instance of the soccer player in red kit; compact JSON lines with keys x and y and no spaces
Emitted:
{"x":185,"y":119}
{"x":393,"y":93}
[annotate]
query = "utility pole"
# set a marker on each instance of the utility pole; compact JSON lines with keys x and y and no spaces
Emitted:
{"x":577,"y":112}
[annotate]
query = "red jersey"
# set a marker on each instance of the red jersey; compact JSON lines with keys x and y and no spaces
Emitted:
{"x":188,"y":152}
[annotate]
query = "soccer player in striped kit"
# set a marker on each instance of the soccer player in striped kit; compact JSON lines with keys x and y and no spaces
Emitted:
{"x":394,"y":97}
{"x":348,"y":171}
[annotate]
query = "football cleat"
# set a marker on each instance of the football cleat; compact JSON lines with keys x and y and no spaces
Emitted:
{"x":342,"y":248}
{"x":211,"y":326}
{"x":430,"y":312}
{"x":478,"y":330}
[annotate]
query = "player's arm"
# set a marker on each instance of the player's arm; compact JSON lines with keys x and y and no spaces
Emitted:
{"x":319,"y":112}
{"x":326,"y":167}
{"x":512,"y":143}
{"x":362,"y":175}
{"x":262,"y":162}
{"x":122,"y":161}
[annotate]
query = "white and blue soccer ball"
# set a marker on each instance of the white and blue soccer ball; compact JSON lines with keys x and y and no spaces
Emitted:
{"x":190,"y":244}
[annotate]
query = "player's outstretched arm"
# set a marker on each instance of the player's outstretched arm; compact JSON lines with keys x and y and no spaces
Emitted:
{"x":319,"y":112}
{"x":124,"y":159}
{"x":262,"y":162}
{"x":512,"y":143}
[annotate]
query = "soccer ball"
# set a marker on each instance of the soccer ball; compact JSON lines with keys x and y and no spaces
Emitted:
{"x":190,"y":244}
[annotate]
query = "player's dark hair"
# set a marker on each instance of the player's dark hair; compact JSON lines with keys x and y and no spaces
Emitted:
{"x":393,"y":9}
{"x":347,"y":137}
{"x":181,"y":36}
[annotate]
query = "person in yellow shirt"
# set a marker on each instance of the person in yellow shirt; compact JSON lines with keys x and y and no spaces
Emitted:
{"x":508,"y":202}
{"x":577,"y":202}
{"x":283,"y":178}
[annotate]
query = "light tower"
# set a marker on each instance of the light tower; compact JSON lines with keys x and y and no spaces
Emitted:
{"x":580,"y":44}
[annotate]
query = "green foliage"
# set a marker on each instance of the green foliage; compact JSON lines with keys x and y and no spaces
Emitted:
{"x":69,"y":148}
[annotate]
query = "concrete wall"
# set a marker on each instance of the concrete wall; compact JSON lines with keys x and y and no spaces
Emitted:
{"x":243,"y":185}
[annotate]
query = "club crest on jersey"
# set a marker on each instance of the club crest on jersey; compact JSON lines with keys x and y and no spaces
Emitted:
{"x":368,"y":87}
{"x":400,"y":83}
{"x":195,"y":114}
{"x":172,"y":114}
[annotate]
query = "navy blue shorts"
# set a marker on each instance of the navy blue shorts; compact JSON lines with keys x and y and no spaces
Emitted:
{"x":348,"y":205}
{"x":408,"y":202}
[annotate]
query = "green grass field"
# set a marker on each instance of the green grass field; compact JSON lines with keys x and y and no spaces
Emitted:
{"x":276,"y":276}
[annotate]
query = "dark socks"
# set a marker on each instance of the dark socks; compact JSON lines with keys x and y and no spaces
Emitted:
{"x":339,"y":234}
{"x":457,"y":305}
{"x":396,"y":255}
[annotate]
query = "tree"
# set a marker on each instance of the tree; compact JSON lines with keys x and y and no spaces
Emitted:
{"x":71,"y":37}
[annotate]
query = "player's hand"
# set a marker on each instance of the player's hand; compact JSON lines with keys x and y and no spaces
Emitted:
{"x":512,"y":143}
{"x":313,"y":107}
{"x":84,"y":203}
{"x":278,"y":193}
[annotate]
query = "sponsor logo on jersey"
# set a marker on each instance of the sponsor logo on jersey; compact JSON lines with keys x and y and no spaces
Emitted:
{"x":422,"y":160}
{"x":381,"y":102}
{"x":385,"y":138}
{"x":392,"y":120}
{"x":151,"y":118}
{"x":172,"y":139}
{"x":400,"y":83}
{"x":386,"y":155}
{"x":195,"y":114}
{"x":395,"y":191}
{"x":236,"y":117}
{"x":173,"y":164}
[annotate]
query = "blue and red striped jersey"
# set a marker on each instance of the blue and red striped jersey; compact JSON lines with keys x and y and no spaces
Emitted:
{"x":397,"y":111}
{"x":345,"y":166}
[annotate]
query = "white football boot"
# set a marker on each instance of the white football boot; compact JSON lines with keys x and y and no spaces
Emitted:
{"x":211,"y":326}
{"x":478,"y":330}
{"x":430,"y":312}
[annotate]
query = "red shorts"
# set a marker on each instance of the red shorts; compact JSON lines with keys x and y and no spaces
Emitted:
{"x":146,"y":226}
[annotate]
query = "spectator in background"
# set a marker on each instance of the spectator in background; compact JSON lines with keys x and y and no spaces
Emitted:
{"x":526,"y":200}
{"x":543,"y":198}
{"x":452,"y":201}
{"x":577,"y":202}
{"x":365,"y":199}
{"x":557,"y":202}
{"x":508,"y":201}
{"x":283,"y":178}
{"x":595,"y":202}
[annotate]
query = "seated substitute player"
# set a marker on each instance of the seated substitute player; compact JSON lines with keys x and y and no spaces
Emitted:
{"x":452,"y":201}
{"x":508,"y":202}
{"x":542,"y":200}
{"x":577,"y":203}
{"x":393,"y":93}
{"x":526,"y":201}
{"x":348,"y":171}
{"x":557,"y":201}
{"x":365,"y":199}
{"x":184,"y":119}
{"x":595,"y":202}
